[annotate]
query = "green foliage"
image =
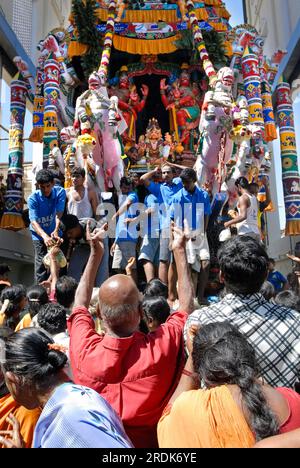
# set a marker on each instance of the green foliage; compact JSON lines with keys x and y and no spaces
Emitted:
{"x":213,"y":42}
{"x":84,"y":13}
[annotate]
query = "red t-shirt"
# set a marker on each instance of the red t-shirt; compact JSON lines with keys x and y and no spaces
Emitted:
{"x":293,"y":400}
{"x":136,"y":375}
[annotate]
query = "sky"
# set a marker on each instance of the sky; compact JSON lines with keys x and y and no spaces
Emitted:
{"x":235,"y":8}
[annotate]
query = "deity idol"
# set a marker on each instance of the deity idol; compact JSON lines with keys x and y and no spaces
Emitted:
{"x":215,"y":146}
{"x":182,"y":101}
{"x":130,"y":103}
{"x":95,"y":112}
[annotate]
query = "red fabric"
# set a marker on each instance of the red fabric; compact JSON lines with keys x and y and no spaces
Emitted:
{"x":136,"y":375}
{"x":293,"y":400}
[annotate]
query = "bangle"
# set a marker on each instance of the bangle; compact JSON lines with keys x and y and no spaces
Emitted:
{"x":188,"y":373}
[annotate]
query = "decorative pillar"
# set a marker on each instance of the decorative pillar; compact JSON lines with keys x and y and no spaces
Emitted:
{"x":12,"y":218}
{"x":51,"y":96}
{"x":252,"y":85}
{"x":268,"y":112}
{"x":289,"y":159}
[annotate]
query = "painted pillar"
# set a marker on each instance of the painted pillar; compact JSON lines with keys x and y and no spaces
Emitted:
{"x":12,"y":218}
{"x":289,"y":159}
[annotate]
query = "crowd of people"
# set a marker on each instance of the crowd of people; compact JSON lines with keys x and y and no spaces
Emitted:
{"x":116,"y":344}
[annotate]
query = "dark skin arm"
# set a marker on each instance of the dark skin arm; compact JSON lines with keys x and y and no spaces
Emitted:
{"x":94,"y":203}
{"x":55,"y":234}
{"x":185,"y":288}
{"x":48,"y":241}
{"x":86,"y":285}
{"x":286,"y":440}
{"x":122,"y":209}
{"x":244,"y":205}
{"x":146,"y":178}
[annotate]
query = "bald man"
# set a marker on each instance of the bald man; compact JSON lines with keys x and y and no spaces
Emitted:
{"x":134,"y":372}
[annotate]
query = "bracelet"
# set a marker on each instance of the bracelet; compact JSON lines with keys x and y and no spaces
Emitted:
{"x":188,"y":373}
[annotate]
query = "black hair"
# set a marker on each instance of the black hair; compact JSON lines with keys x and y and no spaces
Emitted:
{"x":78,"y":171}
{"x":288,"y":299}
{"x":222,"y":356}
{"x":52,"y":317}
{"x":69,"y":221}
{"x":126,"y":181}
{"x":244,"y":264}
{"x":37,"y":296}
{"x":155,"y":288}
{"x":65,"y":291}
{"x":14,"y":294}
{"x":271,"y":260}
{"x":156,"y":308}
{"x":242,"y":182}
{"x":4,"y":268}
{"x":188,"y":175}
{"x":133,"y":148}
{"x":45,"y":176}
{"x":253,"y":184}
{"x":267,"y":290}
{"x":29,"y":357}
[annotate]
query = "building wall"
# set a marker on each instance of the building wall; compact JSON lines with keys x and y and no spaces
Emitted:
{"x":277,"y":21}
{"x":31,"y":20}
{"x":23,"y":23}
{"x":48,"y":15}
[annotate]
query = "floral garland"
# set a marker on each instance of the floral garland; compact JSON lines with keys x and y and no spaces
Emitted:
{"x":200,"y":44}
{"x":108,"y":39}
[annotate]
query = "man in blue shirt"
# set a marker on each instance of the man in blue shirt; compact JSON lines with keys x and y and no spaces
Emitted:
{"x":276,"y":278}
{"x":164,"y":193}
{"x":191,"y":207}
{"x":124,"y":246}
{"x":46,"y":207}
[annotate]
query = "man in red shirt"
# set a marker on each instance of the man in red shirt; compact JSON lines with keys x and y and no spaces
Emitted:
{"x":134,"y":372}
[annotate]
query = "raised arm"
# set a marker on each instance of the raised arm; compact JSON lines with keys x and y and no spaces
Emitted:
{"x":146,"y":178}
{"x":86,"y":285}
{"x":185,"y":284}
{"x":93,"y":197}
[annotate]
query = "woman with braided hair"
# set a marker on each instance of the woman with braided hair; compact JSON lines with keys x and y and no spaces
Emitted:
{"x":220,"y":401}
{"x":72,"y":416}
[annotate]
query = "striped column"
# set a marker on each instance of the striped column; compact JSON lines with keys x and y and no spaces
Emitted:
{"x":289,"y":159}
{"x":51,"y":96}
{"x":12,"y":217}
{"x":252,"y":85}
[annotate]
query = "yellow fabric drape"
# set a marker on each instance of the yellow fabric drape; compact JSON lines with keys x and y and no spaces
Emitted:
{"x":142,"y":16}
{"x":76,"y":49}
{"x":12,"y":222}
{"x":204,"y":419}
{"x":201,"y":14}
{"x":213,"y":2}
{"x":152,"y":16}
{"x":222,"y":12}
{"x":144,"y":46}
{"x":27,"y":418}
{"x":292,"y":228}
{"x":218,"y":26}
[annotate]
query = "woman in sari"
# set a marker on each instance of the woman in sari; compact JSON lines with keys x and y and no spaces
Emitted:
{"x":233,"y":409}
{"x":72,"y":416}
